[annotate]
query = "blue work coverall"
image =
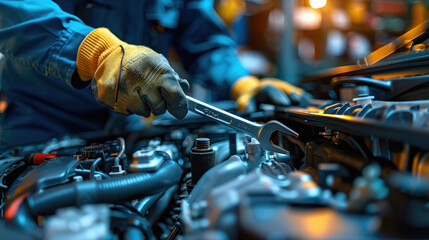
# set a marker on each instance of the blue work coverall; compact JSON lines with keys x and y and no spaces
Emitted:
{"x":40,"y":40}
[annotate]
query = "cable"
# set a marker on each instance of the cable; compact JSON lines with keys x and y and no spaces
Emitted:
{"x":112,"y":190}
{"x":122,"y":144}
{"x":117,"y":163}
{"x":93,"y":167}
{"x":88,"y":172}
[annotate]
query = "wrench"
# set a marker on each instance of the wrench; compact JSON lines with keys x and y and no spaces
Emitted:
{"x":262,"y":132}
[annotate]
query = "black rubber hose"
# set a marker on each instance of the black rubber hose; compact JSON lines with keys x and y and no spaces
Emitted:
{"x":158,"y":209}
{"x":145,"y":204}
{"x":113,"y":190}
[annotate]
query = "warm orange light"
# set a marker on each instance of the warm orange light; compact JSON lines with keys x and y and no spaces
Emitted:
{"x":306,"y":18}
{"x":317,"y":3}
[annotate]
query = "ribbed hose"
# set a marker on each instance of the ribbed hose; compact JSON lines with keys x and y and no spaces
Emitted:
{"x":113,"y":190}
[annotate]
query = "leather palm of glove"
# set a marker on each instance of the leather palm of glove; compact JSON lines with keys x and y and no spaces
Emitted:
{"x":249,"y":92}
{"x":129,"y":78}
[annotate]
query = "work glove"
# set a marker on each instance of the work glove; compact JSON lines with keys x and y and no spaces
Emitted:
{"x":131,"y":79}
{"x":249,"y":91}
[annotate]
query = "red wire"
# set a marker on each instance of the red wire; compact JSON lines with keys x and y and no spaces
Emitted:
{"x":11,"y":211}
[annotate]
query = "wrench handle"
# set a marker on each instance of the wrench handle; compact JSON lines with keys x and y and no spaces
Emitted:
{"x":223,"y":117}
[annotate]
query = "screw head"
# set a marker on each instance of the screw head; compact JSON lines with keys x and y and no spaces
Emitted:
{"x":253,"y":146}
{"x":202,"y":143}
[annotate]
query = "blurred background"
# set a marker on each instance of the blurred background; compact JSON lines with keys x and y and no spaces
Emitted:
{"x":290,"y":39}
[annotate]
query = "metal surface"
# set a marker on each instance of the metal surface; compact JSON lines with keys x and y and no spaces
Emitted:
{"x":262,"y":132}
{"x":388,"y":49}
{"x":418,"y":137}
{"x":202,"y":157}
{"x":416,"y":62}
{"x":255,"y":154}
{"x":146,"y":161}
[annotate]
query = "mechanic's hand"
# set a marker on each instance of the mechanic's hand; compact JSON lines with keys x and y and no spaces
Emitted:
{"x":250,"y":91}
{"x":129,"y":78}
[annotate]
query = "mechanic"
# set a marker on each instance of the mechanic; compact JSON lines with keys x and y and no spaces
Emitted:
{"x":53,"y":51}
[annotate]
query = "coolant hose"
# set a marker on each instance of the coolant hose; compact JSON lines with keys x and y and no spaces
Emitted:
{"x":112,"y":190}
{"x":145,"y":204}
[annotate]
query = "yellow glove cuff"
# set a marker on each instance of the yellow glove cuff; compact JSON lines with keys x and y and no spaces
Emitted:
{"x":93,"y":50}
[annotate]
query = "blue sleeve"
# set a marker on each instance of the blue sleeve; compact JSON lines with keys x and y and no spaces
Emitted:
{"x":41,"y":36}
{"x":206,"y":47}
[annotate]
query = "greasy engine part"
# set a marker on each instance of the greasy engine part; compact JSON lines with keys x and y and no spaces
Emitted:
{"x":202,"y":157}
{"x":255,"y":155}
{"x":113,"y":190}
{"x":48,"y":174}
{"x":146,"y":161}
{"x":218,"y":175}
{"x":357,"y":169}
{"x":340,"y":180}
{"x":94,"y":150}
{"x":217,"y":210}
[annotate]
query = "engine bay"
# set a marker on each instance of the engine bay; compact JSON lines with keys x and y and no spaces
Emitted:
{"x":356,"y":170}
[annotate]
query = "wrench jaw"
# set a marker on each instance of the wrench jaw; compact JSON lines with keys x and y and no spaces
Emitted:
{"x":261,"y":132}
{"x":264,"y":136}
{"x":274,"y":148}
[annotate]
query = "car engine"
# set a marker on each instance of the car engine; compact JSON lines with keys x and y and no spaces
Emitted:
{"x":357,"y":170}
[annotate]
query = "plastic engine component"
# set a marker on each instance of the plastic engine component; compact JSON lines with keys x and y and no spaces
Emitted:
{"x":50,"y":173}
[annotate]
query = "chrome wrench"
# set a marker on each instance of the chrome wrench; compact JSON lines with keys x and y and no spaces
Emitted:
{"x":262,"y":132}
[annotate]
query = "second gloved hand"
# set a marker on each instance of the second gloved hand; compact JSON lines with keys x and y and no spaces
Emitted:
{"x":249,"y":91}
{"x":129,"y":78}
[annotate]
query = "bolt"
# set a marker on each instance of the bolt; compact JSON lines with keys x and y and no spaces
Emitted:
{"x":255,"y":154}
{"x":202,"y":158}
{"x":202,"y":143}
{"x":253,"y":147}
{"x":97,"y":177}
